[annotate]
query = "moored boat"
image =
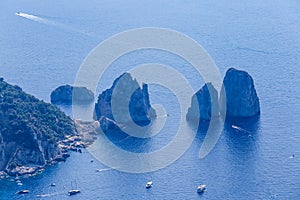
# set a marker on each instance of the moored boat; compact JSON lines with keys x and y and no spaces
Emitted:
{"x":149,"y":184}
{"x":201,"y":188}
{"x":22,"y":192}
{"x":73,"y":192}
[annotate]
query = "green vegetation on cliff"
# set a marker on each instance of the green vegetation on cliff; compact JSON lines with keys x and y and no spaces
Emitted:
{"x":21,"y":113}
{"x":29,"y":129}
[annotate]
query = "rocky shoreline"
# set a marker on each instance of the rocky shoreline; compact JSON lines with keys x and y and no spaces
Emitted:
{"x":86,"y":134}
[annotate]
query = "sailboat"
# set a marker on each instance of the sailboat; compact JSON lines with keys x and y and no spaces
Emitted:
{"x":73,"y":191}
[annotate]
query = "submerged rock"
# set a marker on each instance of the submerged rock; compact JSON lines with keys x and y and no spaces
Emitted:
{"x":67,"y":94}
{"x":239,"y":94}
{"x":204,"y":104}
{"x":128,"y":95}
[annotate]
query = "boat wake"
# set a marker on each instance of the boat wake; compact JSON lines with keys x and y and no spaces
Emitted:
{"x":253,"y":50}
{"x":35,"y":18}
{"x":52,"y":23}
{"x":50,"y":195}
{"x":239,"y":129}
{"x":104,"y":169}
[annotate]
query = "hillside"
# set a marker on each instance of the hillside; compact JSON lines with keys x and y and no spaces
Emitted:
{"x":30,"y":131}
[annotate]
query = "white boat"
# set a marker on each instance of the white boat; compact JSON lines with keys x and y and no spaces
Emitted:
{"x":149,"y":184}
{"x":201,"y":188}
{"x":73,"y":192}
{"x":22,"y":192}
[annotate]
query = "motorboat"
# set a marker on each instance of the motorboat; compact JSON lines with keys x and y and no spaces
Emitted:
{"x":22,"y":192}
{"x":149,"y":184}
{"x":73,"y":192}
{"x":201,"y":188}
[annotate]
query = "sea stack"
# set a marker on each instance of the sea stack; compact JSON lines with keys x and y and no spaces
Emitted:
{"x":128,"y":95}
{"x":239,"y":95}
{"x":204,"y":101}
{"x":66,"y":94}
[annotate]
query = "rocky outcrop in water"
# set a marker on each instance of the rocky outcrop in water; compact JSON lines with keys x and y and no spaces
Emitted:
{"x":204,"y":101}
{"x":239,"y":94}
{"x":107,"y":124}
{"x":67,"y":94}
{"x":128,"y":95}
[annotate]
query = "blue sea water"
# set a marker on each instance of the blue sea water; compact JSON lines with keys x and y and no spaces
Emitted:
{"x":262,"y":37}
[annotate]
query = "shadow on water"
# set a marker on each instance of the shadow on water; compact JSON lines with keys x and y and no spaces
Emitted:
{"x":127,"y":142}
{"x":241,"y":133}
{"x":134,"y":144}
{"x":202,"y":126}
{"x":242,"y":153}
{"x":236,"y":156}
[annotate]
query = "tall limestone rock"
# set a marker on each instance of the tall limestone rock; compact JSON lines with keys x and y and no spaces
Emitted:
{"x":239,"y":95}
{"x":128,"y":95}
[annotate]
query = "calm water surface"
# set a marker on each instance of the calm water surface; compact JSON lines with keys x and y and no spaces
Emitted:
{"x":261,"y":37}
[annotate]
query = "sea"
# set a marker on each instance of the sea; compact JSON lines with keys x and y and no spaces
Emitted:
{"x":44,"y":43}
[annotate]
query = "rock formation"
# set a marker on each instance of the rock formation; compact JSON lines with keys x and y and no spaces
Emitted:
{"x":32,"y":133}
{"x":67,"y":94}
{"x":126,"y":89}
{"x":241,"y":98}
{"x":204,"y":101}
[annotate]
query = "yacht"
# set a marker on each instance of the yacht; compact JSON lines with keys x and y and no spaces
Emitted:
{"x":149,"y":184}
{"x":201,"y":188}
{"x":22,"y":192}
{"x":73,"y":192}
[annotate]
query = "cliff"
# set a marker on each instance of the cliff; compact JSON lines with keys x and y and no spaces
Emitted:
{"x":241,"y":98}
{"x":139,"y":106}
{"x":204,"y":101}
{"x":31,"y":132}
{"x":67,"y":94}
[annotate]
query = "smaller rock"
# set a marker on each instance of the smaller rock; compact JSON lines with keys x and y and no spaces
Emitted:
{"x":67,"y":94}
{"x":107,"y":124}
{"x":204,"y":101}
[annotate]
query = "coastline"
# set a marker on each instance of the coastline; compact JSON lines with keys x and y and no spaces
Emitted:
{"x":86,"y":134}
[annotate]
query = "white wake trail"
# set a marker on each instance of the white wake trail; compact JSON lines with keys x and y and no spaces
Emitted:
{"x":240,"y":129}
{"x":52,"y":23}
{"x":50,"y":195}
{"x":106,"y":169}
{"x":36,"y":18}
